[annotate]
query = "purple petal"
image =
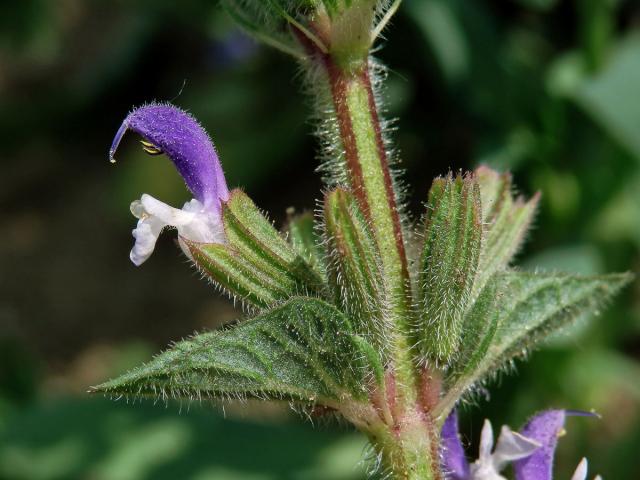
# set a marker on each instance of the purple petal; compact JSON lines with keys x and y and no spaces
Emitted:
{"x":186,"y":143}
{"x":545,"y":428}
{"x":454,"y":463}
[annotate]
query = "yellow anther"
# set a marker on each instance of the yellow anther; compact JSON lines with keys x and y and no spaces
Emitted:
{"x":150,"y":148}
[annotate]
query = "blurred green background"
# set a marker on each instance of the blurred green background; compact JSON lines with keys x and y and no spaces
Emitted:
{"x":548,"y":89}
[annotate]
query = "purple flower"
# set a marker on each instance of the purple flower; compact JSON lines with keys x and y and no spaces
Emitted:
{"x":455,"y":464}
{"x":546,"y":428}
{"x":531,"y":451}
{"x":172,"y":131}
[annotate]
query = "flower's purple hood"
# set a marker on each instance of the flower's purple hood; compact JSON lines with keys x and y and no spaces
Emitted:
{"x":177,"y":134}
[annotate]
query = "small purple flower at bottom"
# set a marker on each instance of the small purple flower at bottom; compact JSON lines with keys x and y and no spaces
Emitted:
{"x":172,"y":131}
{"x":455,"y":463}
{"x":531,"y":451}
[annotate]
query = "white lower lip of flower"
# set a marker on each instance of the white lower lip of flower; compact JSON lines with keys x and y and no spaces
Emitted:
{"x":193,"y":222}
{"x":581,"y":471}
{"x":511,"y":446}
{"x":485,"y":472}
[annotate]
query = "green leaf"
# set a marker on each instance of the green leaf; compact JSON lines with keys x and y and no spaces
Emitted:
{"x":526,"y":308}
{"x":247,"y":228}
{"x":507,"y":221}
{"x":355,"y":268}
{"x":237,"y":276}
{"x":355,"y":272}
{"x":256,"y":263}
{"x":453,"y":237}
{"x":538,"y":304}
{"x":304,"y":350}
{"x":480,"y":327}
{"x":259,"y":19}
{"x":253,"y":235}
{"x":306,"y":241}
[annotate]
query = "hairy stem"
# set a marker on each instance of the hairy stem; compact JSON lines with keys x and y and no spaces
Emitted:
{"x":406,"y":438}
{"x":410,"y":450}
{"x":367,"y":171}
{"x":408,"y":447}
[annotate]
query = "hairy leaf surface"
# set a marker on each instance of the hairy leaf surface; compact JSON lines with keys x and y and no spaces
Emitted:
{"x":253,"y":235}
{"x":507,"y":220}
{"x":304,"y":350}
{"x":534,"y":305}
{"x":305,"y":240}
{"x":256,"y":264}
{"x":239,"y":277}
{"x":356,"y":273}
{"x":453,"y":236}
{"x":518,"y":310}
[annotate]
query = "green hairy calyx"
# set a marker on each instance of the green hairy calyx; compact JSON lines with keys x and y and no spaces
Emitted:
{"x":358,"y":310}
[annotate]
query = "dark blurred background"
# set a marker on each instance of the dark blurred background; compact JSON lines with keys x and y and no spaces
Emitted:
{"x":548,"y":89}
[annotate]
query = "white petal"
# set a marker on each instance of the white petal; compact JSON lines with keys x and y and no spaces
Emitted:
{"x":483,"y":468}
{"x":486,"y":441}
{"x":484,"y":471}
{"x":581,"y":471}
{"x":193,"y":222}
{"x":169,"y":215}
{"x":146,"y":234}
{"x":193,"y":205}
{"x":512,"y":446}
{"x":205,"y":225}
